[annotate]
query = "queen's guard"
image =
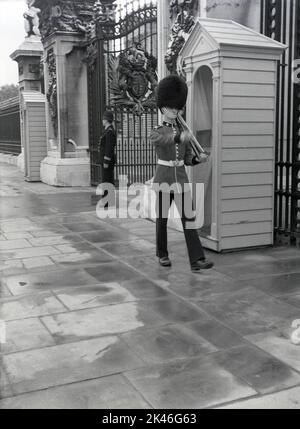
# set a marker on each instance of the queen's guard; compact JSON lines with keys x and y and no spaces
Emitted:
{"x":174,"y":151}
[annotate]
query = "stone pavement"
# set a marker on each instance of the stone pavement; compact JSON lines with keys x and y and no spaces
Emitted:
{"x":92,"y":321}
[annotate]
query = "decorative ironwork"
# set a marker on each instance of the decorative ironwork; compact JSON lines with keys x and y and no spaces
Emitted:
{"x":52,"y":89}
{"x":281,"y":21}
{"x":184,"y":12}
{"x":121,"y":58}
{"x":133,"y":79}
{"x":65,"y":15}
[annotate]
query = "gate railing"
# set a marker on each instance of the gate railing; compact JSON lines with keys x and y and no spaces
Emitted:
{"x":121,"y":58}
{"x":10,"y":134}
{"x":281,"y":21}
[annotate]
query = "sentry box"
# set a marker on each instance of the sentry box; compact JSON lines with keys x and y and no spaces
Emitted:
{"x":231,"y":72}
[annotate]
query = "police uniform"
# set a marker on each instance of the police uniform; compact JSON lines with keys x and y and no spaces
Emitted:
{"x":173,"y":155}
{"x":107,"y":154}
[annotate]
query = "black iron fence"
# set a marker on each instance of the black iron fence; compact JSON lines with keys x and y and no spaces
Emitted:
{"x":10,"y":134}
{"x":121,"y":57}
{"x":281,"y":21}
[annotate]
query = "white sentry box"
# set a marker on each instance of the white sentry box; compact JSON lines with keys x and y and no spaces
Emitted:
{"x":231,"y":72}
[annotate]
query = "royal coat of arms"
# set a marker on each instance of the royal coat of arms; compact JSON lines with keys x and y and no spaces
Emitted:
{"x":133,"y":79}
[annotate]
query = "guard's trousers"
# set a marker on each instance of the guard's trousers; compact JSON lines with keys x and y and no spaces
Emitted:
{"x":163,"y":203}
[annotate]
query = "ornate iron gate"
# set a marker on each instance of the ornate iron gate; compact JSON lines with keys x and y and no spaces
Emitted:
{"x":281,"y":21}
{"x":121,"y":57}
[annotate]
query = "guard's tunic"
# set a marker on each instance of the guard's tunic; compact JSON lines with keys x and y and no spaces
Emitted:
{"x":166,"y":139}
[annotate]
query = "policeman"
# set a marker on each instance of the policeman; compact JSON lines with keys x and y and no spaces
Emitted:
{"x":107,"y":157}
{"x":173,"y":150}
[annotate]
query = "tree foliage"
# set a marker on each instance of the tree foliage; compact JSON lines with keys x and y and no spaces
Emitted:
{"x":8,"y":91}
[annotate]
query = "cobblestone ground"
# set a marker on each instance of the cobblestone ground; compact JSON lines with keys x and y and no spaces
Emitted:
{"x":92,"y":321}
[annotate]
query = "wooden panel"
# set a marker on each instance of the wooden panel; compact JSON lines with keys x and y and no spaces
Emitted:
{"x":246,"y":64}
{"x":250,"y":141}
{"x":244,"y":76}
{"x":248,"y":102}
{"x":247,"y":167}
{"x":243,"y":129}
{"x":246,"y":241}
{"x":246,"y":154}
{"x":247,"y":179}
{"x":247,"y":204}
{"x":247,"y":228}
{"x":231,"y":218}
{"x":251,"y":90}
{"x":237,"y":115}
{"x":230,"y":193}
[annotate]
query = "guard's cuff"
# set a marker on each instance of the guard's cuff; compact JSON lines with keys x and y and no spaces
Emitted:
{"x":195,"y":161}
{"x":107,"y":158}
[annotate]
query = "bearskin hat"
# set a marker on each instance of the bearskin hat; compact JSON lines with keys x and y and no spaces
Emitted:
{"x":171,"y":92}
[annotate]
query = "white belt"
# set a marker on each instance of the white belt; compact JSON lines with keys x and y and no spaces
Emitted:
{"x":171,"y":163}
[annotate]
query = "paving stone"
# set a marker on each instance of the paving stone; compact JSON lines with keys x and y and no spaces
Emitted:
{"x":255,"y":271}
{"x":87,"y":226}
{"x":112,"y":272}
{"x":249,"y":311}
{"x":75,"y":247}
{"x":94,"y":296}
{"x":166,"y":343}
{"x":94,"y":322}
{"x":25,"y":334}
{"x":28,"y":253}
{"x":29,"y":306}
{"x":214,"y":332}
{"x":277,"y":344}
{"x":4,"y":265}
{"x":26,"y":283}
{"x":203,"y":286}
{"x":56,"y":239}
{"x":142,"y":288}
{"x":260,"y":370}
{"x":287,"y":399}
{"x":188,"y":384}
{"x":37,"y":262}
{"x":68,"y":363}
{"x":14,"y":244}
{"x":292,"y":300}
{"x":17,"y":235}
{"x":279,"y":285}
{"x":106,"y":236}
{"x":82,"y":258}
{"x":5,"y":389}
{"x":136,"y":247}
{"x":111,"y":392}
{"x":49,"y":230}
{"x":174,"y":310}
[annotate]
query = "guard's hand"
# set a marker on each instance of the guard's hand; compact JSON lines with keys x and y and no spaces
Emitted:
{"x":203,"y":157}
{"x":185,"y":136}
{"x":105,"y":166}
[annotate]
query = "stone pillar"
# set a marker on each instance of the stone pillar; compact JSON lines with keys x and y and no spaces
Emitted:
{"x":63,"y":29}
{"x":28,"y":57}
